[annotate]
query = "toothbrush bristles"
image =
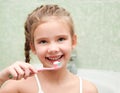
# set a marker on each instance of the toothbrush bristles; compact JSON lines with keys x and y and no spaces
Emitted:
{"x":57,"y":64}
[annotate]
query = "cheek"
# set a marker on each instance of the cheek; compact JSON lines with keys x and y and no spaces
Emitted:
{"x":67,"y":50}
{"x":40,"y":54}
{"x":39,"y":51}
{"x":67,"y":55}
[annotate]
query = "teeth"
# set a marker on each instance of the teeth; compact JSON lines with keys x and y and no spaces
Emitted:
{"x":54,"y":58}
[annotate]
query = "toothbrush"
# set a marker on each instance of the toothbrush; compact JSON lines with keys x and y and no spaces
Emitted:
{"x":56,"y":64}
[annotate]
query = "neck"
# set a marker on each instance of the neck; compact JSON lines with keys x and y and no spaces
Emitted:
{"x":56,"y":75}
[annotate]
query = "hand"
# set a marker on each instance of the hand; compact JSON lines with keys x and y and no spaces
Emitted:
{"x":17,"y":71}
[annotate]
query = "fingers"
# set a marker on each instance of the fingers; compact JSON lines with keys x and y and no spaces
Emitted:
{"x":27,"y":73}
{"x":21,"y":70}
{"x":12,"y":73}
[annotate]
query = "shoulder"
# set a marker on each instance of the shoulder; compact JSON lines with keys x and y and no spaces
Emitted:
{"x":9,"y":86}
{"x":89,"y":87}
{"x":17,"y":86}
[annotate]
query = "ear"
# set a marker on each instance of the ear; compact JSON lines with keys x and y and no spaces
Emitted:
{"x":74,"y":41}
{"x":32,"y":47}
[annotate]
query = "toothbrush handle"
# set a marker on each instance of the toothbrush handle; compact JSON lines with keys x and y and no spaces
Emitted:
{"x":43,"y":69}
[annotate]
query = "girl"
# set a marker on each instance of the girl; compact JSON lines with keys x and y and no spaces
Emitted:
{"x":49,"y":34}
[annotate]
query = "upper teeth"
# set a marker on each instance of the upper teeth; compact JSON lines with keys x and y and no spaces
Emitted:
{"x":56,"y":58}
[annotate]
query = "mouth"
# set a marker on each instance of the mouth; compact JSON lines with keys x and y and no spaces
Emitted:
{"x":52,"y":59}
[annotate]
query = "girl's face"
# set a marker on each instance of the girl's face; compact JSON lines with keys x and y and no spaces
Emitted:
{"x":53,"y":42}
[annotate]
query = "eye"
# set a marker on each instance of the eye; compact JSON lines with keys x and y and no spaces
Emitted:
{"x":61,"y":39}
{"x":42,"y":42}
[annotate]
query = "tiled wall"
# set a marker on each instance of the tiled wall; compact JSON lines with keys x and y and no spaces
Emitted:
{"x":97,"y":24}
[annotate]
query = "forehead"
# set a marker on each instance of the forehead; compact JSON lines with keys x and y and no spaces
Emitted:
{"x":52,"y":27}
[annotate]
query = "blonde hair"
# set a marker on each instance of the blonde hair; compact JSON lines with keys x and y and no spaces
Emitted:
{"x":40,"y":15}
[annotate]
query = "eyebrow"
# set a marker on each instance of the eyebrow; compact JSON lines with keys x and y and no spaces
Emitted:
{"x":41,"y":38}
{"x":45,"y":38}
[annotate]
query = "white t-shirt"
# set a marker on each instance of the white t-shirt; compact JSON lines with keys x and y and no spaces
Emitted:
{"x":39,"y":86}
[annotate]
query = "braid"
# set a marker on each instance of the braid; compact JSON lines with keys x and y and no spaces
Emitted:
{"x":27,"y":49}
{"x":27,"y":45}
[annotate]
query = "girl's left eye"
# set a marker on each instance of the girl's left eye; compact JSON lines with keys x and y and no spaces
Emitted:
{"x":61,"y":39}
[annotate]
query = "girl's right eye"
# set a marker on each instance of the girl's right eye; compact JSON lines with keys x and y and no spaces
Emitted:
{"x":42,"y":42}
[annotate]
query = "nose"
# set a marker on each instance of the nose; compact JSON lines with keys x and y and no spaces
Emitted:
{"x":53,"y":48}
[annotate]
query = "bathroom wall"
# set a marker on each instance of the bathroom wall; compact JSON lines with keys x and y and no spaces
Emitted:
{"x":97,"y":24}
